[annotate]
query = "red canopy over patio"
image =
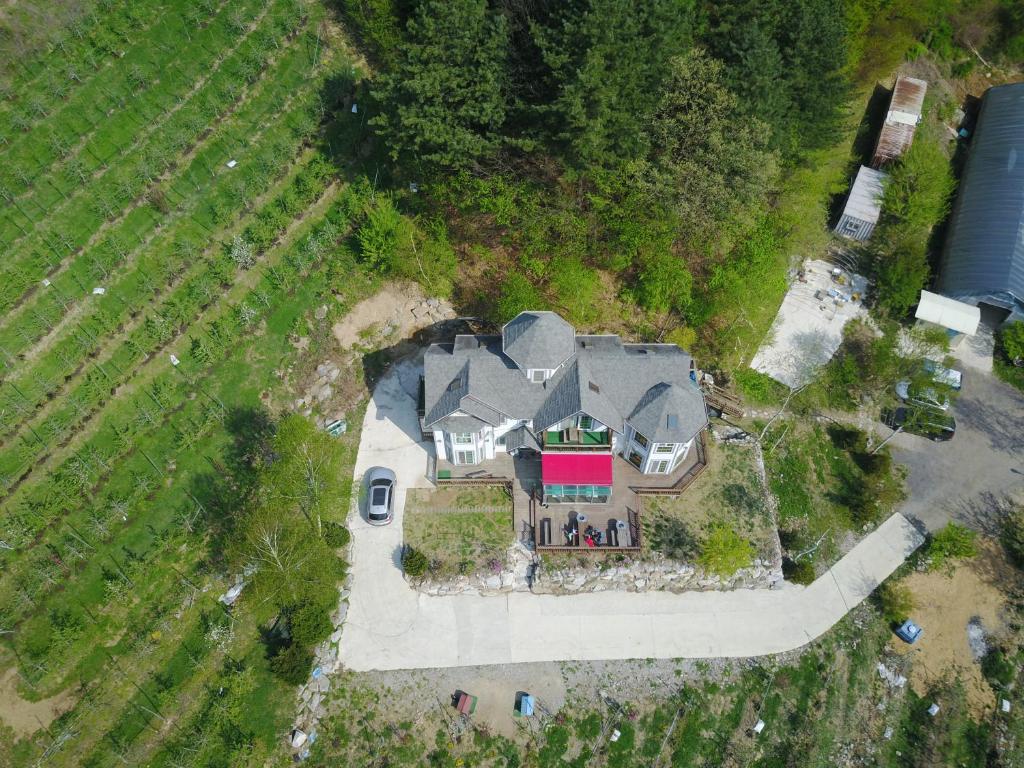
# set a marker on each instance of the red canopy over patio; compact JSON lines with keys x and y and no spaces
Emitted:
{"x":576,"y":468}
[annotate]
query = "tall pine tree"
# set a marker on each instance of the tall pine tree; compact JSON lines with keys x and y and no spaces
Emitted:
{"x":444,"y":103}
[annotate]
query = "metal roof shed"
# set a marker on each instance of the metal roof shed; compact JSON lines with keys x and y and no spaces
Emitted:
{"x":949,"y":313}
{"x":863,"y":206}
{"x":983,"y":261}
{"x":901,"y":121}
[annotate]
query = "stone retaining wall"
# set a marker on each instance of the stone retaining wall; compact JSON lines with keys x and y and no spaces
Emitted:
{"x":522,"y":573}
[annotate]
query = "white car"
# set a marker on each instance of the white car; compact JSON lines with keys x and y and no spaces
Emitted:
{"x":380,"y":502}
{"x":923,"y":397}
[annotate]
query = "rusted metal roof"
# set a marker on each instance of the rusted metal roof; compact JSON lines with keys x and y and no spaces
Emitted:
{"x":901,"y":120}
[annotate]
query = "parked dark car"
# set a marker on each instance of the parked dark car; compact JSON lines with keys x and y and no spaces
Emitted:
{"x":927,"y":422}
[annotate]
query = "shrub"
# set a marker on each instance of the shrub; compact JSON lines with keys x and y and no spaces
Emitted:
{"x":309,"y":623}
{"x":1012,"y":340}
{"x":336,"y":535}
{"x":414,"y":563}
{"x":724,"y":551}
{"x":292,"y":664}
{"x":798,"y":571}
{"x":896,"y":601}
{"x":998,"y":669}
{"x":1012,"y":535}
{"x":673,"y":539}
{"x":758,"y":388}
{"x":951,"y":543}
{"x":517,"y":294}
{"x":382,"y":234}
{"x":682,"y":336}
{"x":36,"y":636}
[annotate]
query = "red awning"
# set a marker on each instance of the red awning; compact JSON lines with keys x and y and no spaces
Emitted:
{"x":576,"y":468}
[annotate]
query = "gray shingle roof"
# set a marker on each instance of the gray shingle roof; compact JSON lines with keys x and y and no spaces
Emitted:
{"x":538,"y":340}
{"x":984,"y":254}
{"x":604,"y":378}
{"x":521,"y":437}
{"x":459,"y":423}
{"x":669,"y":413}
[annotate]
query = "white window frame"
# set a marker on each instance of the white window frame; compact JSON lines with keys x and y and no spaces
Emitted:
{"x":538,"y":375}
{"x":459,"y":454}
{"x":664,"y":448}
{"x":462,"y":438}
{"x":660,"y":466}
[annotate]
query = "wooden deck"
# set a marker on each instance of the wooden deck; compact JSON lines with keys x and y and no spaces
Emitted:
{"x":567,"y":527}
{"x":522,"y":476}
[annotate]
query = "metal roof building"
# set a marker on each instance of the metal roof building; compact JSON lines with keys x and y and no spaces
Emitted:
{"x":983,"y":262}
{"x":901,"y":121}
{"x":863,"y":206}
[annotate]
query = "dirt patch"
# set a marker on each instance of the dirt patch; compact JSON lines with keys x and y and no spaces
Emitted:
{"x":27,"y":717}
{"x":423,"y":695}
{"x":396,"y":312}
{"x":952,"y":609}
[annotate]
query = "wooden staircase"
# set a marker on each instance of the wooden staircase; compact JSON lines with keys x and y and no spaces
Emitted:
{"x":718,"y":399}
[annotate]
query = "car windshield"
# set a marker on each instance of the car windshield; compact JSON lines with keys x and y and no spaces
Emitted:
{"x":380,"y":496}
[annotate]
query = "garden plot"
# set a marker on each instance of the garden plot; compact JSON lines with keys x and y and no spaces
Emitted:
{"x":809,"y":326}
{"x":460,"y":530}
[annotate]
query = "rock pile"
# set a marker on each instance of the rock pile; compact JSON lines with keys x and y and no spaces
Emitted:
{"x":312,"y":695}
{"x":320,"y":391}
{"x":645,"y":576}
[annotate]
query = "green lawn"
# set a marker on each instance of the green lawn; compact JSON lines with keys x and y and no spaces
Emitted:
{"x":728,"y":493}
{"x":461,"y":530}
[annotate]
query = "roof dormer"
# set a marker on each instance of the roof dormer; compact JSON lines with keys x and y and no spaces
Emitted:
{"x":538,"y":341}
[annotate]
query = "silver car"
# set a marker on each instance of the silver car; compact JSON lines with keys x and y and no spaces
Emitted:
{"x":923,"y":397}
{"x":380,"y":502}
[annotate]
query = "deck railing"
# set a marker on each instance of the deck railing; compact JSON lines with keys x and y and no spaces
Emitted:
{"x":688,"y":477}
{"x":548,"y":537}
{"x":576,"y":440}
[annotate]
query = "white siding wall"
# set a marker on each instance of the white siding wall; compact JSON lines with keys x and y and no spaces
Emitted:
{"x":651,"y":460}
{"x":574,"y":421}
{"x":485,"y":442}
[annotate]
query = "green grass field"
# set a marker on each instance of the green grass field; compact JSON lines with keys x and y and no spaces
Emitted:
{"x":461,"y":530}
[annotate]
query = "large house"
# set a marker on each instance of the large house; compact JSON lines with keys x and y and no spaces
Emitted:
{"x":578,"y":400}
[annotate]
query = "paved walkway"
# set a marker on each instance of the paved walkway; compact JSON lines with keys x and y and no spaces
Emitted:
{"x":392,"y":626}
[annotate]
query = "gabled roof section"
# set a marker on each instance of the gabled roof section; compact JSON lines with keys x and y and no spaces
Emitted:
{"x":454,"y":387}
{"x":577,"y":391}
{"x":669,"y":413}
{"x":538,"y":340}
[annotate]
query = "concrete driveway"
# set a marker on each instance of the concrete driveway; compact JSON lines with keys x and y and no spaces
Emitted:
{"x":392,"y":626}
{"x":964,"y":479}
